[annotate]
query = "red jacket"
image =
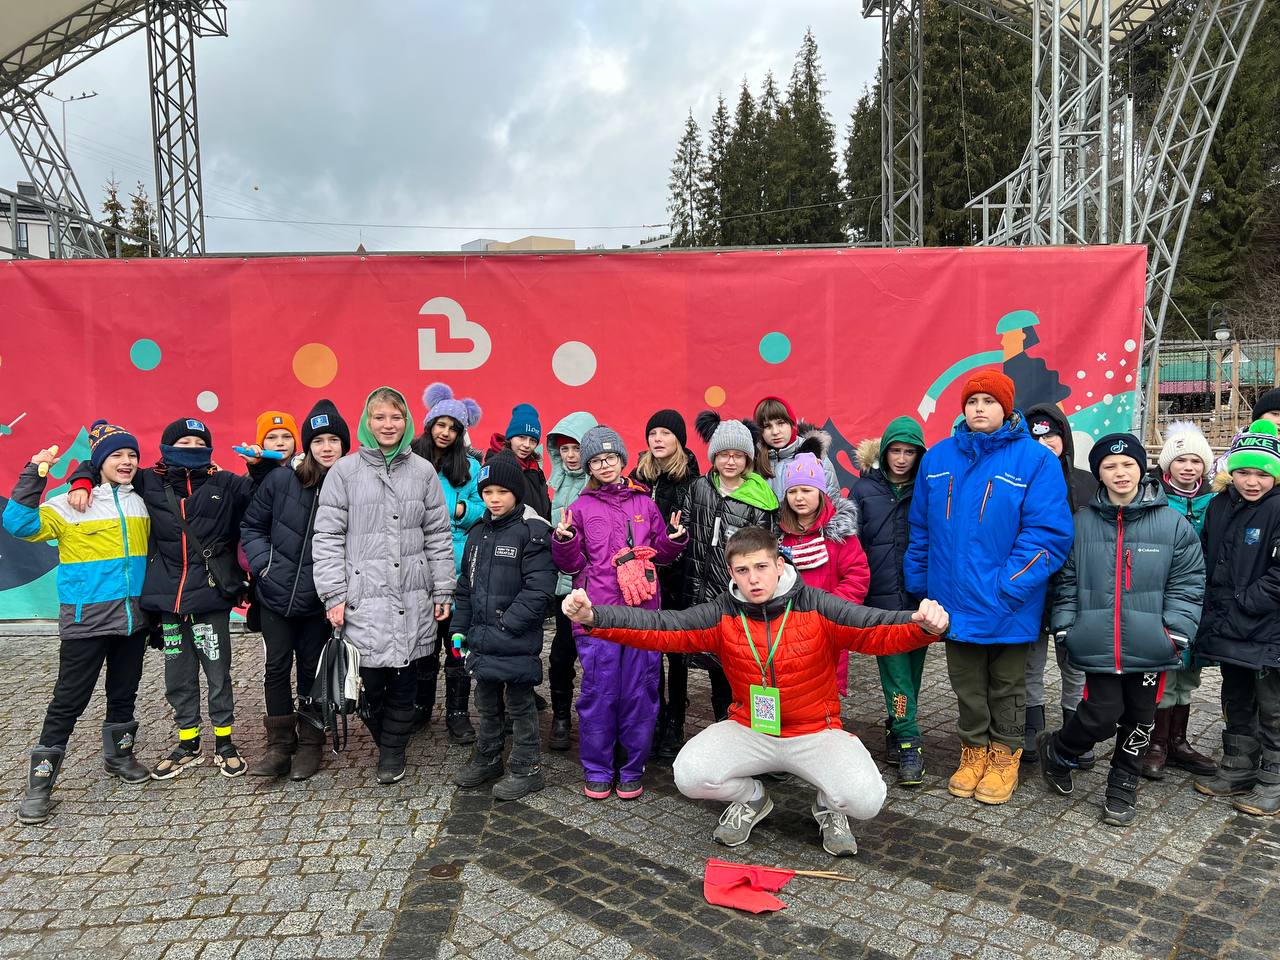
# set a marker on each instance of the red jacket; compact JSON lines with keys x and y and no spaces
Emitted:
{"x":845,"y":572}
{"x":818,"y":625}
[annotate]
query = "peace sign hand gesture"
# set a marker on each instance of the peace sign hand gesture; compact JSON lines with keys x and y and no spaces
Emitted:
{"x":564,"y":530}
{"x":678,"y":532}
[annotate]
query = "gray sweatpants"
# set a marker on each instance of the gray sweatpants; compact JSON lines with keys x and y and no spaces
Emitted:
{"x":192,"y":644}
{"x":1072,"y":679}
{"x":722,"y":761}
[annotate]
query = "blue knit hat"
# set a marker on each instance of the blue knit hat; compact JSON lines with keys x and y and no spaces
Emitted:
{"x":105,"y":439}
{"x":524,"y":422}
{"x":440,"y":402}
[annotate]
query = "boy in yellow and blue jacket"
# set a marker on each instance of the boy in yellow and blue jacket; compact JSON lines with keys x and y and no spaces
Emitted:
{"x":102,"y":557}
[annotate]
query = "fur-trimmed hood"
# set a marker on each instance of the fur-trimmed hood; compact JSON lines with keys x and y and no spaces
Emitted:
{"x":867,"y":455}
{"x":843,"y":524}
{"x":809,"y":439}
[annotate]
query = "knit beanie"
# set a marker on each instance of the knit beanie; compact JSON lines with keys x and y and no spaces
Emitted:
{"x":1117,"y":443}
{"x":275,"y":420}
{"x":324,"y":418}
{"x":804,"y":470}
{"x":186,"y":427}
{"x":992,"y":382}
{"x":722,"y":435}
{"x":1183,"y":438}
{"x":440,"y":402}
{"x":502,"y":471}
{"x":1258,"y":447}
{"x":524,"y":422}
{"x":669,"y":420}
{"x":599,"y":440}
{"x":1267,"y":403}
{"x":105,"y":439}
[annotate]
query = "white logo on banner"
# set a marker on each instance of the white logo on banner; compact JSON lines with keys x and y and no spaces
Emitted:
{"x":460,"y":328}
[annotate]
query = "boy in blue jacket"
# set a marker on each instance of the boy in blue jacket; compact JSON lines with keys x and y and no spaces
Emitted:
{"x":989,"y":526}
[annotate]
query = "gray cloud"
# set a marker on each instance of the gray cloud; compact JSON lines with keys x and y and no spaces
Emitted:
{"x":533,"y":114}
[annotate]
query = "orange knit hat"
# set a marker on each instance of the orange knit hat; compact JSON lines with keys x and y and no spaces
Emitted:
{"x":277,"y":420}
{"x":992,"y":382}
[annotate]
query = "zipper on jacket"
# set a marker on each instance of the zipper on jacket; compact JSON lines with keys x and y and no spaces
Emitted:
{"x":985,"y":497}
{"x":950,"y":482}
{"x":1030,"y":564}
{"x":1128,"y":569}
{"x":182,"y":581}
{"x":288,"y":612}
{"x":1119,"y":571}
{"x":128,"y":585}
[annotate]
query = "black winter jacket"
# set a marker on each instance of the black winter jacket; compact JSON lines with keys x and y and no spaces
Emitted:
{"x":276,"y":536}
{"x":1082,"y":488}
{"x":507,"y":582}
{"x":535,"y":492}
{"x":1241,"y":621}
{"x":711,"y":520}
{"x":1128,"y":598}
{"x":884,"y":533}
{"x":669,"y":497}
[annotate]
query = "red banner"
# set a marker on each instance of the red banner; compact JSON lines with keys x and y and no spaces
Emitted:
{"x":851,"y":338}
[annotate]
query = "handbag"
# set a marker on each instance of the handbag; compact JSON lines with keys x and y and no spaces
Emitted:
{"x":221,"y":567}
{"x":338,"y":691}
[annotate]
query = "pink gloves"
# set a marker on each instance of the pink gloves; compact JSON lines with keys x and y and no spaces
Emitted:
{"x":637,"y":577}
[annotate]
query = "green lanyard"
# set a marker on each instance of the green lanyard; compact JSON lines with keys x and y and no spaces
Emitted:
{"x":777,"y":639}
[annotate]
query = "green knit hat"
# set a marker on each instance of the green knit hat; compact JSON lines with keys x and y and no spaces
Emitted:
{"x":902,"y":430}
{"x":1258,"y":447}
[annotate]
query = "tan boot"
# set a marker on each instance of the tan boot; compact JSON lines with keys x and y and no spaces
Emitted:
{"x":1001,"y":776}
{"x":973,"y":765}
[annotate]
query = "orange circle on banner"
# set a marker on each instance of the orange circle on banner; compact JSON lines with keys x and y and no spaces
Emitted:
{"x":714,"y":396}
{"x":315,"y":365}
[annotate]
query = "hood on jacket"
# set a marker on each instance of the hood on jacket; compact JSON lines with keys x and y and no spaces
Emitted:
{"x":1150,"y":496}
{"x":367,"y":439}
{"x":808,"y":439}
{"x":754,"y":492}
{"x":572,"y":428}
{"x":900,"y":430}
{"x":971,"y":442}
{"x":788,"y":584}
{"x":837,"y":519}
{"x":1054,"y":413}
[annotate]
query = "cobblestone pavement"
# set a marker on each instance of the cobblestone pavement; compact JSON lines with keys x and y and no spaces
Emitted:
{"x":202,"y":866}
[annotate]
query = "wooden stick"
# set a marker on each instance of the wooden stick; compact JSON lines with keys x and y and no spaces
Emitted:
{"x":822,"y":875}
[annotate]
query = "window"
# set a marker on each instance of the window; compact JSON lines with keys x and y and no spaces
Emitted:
{"x":22,"y":243}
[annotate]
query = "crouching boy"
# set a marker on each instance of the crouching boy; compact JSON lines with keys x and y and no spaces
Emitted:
{"x":778,"y":640}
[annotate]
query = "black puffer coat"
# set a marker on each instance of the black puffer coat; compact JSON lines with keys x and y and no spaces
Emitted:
{"x":669,"y":497}
{"x":1081,"y":485}
{"x":884,"y":533}
{"x":1129,"y":595}
{"x":507,"y":582}
{"x":711,"y":520}
{"x":1241,"y":621}
{"x":276,"y":536}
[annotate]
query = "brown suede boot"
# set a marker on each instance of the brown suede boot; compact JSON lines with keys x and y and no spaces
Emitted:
{"x":973,"y":765}
{"x":998,"y":784}
{"x":1181,"y":753}
{"x":281,"y":742}
{"x":1158,"y":753}
{"x":311,"y":743}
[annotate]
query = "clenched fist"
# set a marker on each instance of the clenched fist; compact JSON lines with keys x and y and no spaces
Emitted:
{"x":932,"y":618}
{"x":577,"y":607}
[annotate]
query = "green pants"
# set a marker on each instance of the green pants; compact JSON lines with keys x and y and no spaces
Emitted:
{"x":1178,"y":687}
{"x":900,"y":677}
{"x":990,"y":682}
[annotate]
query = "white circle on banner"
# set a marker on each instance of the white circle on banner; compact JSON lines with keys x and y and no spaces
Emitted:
{"x":1107,"y":398}
{"x":573,"y":363}
{"x":1080,"y":374}
{"x":207,"y":401}
{"x":1130,"y":345}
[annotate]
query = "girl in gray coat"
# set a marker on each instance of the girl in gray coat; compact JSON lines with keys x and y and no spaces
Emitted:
{"x":383,"y":566}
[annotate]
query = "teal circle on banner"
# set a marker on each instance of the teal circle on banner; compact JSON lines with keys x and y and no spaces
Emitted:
{"x":145,"y":354}
{"x":775,"y":347}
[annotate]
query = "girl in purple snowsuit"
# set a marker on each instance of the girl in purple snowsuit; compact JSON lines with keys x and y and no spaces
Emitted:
{"x":609,"y":540}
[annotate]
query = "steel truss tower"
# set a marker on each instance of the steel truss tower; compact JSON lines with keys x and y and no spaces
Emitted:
{"x":901,"y":154}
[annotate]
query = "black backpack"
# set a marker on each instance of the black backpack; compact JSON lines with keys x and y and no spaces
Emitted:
{"x":338,"y":691}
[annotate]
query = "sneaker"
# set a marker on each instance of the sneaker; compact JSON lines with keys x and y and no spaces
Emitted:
{"x":390,"y":765}
{"x":229,"y":762}
{"x":892,"y":756}
{"x":910,"y":761}
{"x":739,"y":818}
{"x":1118,"y":812}
{"x":185,"y":754}
{"x":629,"y":789}
{"x":597,"y":789}
{"x":837,"y":838}
{"x":1055,"y":768}
{"x":516,"y":785}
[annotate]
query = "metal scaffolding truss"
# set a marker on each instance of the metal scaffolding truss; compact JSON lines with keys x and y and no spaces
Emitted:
{"x":901,"y":153}
{"x":172,"y":26}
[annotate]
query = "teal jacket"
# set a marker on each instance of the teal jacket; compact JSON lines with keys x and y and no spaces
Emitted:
{"x":473,"y":508}
{"x":566,"y":484}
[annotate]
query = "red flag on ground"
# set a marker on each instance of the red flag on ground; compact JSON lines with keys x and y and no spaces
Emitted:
{"x":743,"y":886}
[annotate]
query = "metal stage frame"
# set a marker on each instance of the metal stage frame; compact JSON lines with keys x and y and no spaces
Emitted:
{"x":1092,"y":172}
{"x":79,"y":31}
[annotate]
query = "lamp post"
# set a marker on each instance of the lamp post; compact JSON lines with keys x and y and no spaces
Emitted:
{"x":66,"y":147}
{"x":1220,"y":333}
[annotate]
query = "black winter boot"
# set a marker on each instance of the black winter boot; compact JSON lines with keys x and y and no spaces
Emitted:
{"x":1238,"y":771}
{"x":310,"y":751}
{"x":1153,"y":763}
{"x":519,"y":784}
{"x":1054,"y":767}
{"x":41,"y":776}
{"x":1120,"y":807}
{"x":397,"y":725}
{"x":1032,"y":726}
{"x":457,"y":718}
{"x":1086,"y":760}
{"x":671,"y":733}
{"x":117,"y":752}
{"x":1264,"y":799}
{"x":424,"y":701}
{"x":560,"y":738}
{"x":282,"y":740}
{"x":480,"y":770}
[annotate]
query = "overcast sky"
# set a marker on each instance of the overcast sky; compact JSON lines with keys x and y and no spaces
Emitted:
{"x":499,"y":118}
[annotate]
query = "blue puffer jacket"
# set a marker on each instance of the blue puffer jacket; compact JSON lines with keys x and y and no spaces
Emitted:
{"x":989,"y":526}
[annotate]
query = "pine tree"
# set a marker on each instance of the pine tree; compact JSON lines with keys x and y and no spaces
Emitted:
{"x":861,"y":210}
{"x":809,"y":164}
{"x":686,"y":173}
{"x":774,"y":133}
{"x":743,"y":169}
{"x":113,"y":213}
{"x":712,"y":186}
{"x":142,"y":223}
